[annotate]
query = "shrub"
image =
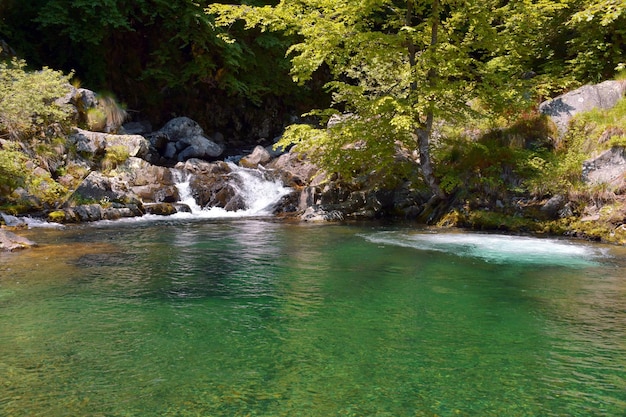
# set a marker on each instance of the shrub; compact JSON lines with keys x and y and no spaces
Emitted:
{"x":27,"y":102}
{"x":115,"y":155}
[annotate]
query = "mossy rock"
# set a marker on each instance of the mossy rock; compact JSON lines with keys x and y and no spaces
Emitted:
{"x":57,"y":216}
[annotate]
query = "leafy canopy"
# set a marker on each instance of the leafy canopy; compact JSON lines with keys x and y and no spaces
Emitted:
{"x":396,"y":66}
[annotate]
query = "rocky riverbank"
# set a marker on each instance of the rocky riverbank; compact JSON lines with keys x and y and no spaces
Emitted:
{"x":134,"y":172}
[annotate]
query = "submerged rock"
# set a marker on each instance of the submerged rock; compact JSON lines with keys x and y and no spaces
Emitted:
{"x":9,"y":241}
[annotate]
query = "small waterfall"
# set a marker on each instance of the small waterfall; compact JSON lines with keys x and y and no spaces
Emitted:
{"x":184,"y":191}
{"x":259,"y":194}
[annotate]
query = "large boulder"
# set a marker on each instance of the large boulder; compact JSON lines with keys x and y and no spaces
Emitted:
{"x":96,"y":143}
{"x":182,"y":139}
{"x":562,"y":108}
{"x":97,"y":187}
{"x":609,"y":167}
{"x":216,"y":187}
{"x":294,"y":169}
{"x":150,"y":183}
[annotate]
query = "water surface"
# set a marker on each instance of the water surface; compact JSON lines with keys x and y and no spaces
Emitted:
{"x":260,"y":318}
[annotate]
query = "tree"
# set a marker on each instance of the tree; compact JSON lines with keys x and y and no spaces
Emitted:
{"x":159,"y":57}
{"x":598,"y":47}
{"x":399,"y":68}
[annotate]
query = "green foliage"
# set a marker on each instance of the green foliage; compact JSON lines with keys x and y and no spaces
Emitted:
{"x":12,"y":168}
{"x":589,"y":132}
{"x":598,"y":46}
{"x":139,"y":48}
{"x":397,"y":68}
{"x":114,"y":156}
{"x":27,"y":102}
{"x":499,"y":162}
{"x":34,"y":126}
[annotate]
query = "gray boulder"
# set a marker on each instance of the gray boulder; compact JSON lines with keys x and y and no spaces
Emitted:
{"x":562,"y":108}
{"x":199,"y":147}
{"x":182,"y":139}
{"x":96,"y":143}
{"x":97,"y":187}
{"x":609,"y":167}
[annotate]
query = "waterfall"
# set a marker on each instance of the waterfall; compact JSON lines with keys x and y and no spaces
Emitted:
{"x":259,"y":194}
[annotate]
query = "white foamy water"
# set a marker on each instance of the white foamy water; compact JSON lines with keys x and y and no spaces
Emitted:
{"x":259,"y":195}
{"x":495,"y":248}
{"x":28,"y":222}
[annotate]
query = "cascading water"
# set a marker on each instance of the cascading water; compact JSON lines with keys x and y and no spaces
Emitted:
{"x":259,"y":194}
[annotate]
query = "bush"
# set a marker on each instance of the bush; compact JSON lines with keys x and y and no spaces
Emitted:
{"x":27,"y":102}
{"x":33,"y":131}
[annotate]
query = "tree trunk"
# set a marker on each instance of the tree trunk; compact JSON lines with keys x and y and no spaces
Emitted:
{"x":424,"y":130}
{"x":423,"y":144}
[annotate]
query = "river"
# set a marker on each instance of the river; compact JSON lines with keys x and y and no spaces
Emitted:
{"x":254,"y":317}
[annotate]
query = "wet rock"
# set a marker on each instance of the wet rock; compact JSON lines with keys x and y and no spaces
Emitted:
{"x":160,"y":209}
{"x":318,"y":214}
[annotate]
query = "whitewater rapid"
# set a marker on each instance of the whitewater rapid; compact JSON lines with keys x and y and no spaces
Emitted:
{"x":495,"y":248}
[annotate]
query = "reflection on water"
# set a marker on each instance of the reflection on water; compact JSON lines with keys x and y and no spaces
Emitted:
{"x":254,"y":317}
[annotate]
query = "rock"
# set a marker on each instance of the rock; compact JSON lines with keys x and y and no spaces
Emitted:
{"x":97,"y":187}
{"x":9,"y":241}
{"x":161,"y":209}
{"x":210,"y":190}
{"x":259,"y":156}
{"x":96,"y":143}
{"x":317,"y":214}
{"x":562,"y":108}
{"x":90,"y":143}
{"x":185,"y":140}
{"x":12,"y":221}
{"x":293,"y":169}
{"x":180,"y":128}
{"x":609,"y":167}
{"x":137,"y":128}
{"x":199,"y":147}
{"x":136,"y":145}
{"x":149,"y":183}
{"x":553,"y":206}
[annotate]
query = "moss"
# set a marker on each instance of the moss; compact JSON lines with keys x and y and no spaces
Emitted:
{"x":115,"y":156}
{"x":57,"y":216}
{"x":489,"y":220}
{"x":453,"y":218}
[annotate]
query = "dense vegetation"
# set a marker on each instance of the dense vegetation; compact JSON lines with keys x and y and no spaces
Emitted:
{"x":458,"y":82}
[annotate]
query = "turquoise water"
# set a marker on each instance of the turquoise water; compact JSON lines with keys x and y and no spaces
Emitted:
{"x":261,"y":318}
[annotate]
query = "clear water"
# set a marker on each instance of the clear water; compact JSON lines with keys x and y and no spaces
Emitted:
{"x":252,"y":317}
